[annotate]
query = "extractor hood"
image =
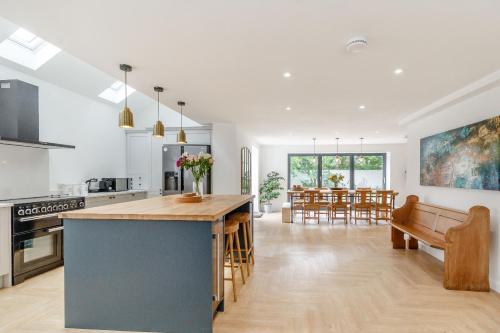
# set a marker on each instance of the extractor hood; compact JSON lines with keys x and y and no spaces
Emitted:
{"x":19,"y":116}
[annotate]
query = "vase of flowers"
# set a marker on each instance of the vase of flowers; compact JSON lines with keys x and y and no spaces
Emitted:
{"x":336,"y":179}
{"x":199,"y":165}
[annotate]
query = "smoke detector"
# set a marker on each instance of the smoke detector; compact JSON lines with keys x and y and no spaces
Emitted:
{"x":356,"y":44}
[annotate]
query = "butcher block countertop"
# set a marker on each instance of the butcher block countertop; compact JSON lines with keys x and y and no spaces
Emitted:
{"x":163,"y":209}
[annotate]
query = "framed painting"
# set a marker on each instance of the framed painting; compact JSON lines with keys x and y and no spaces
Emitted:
{"x":466,"y":157}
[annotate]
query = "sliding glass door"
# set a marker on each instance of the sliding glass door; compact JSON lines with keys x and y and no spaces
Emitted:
{"x":359,"y":170}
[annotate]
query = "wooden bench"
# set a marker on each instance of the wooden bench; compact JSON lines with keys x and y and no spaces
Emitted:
{"x":464,"y":237}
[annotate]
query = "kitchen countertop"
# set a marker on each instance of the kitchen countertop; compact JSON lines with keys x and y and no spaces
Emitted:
{"x":163,"y":209}
{"x":105,"y":194}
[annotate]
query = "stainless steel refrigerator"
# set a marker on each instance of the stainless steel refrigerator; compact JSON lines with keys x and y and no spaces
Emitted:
{"x":177,"y":180}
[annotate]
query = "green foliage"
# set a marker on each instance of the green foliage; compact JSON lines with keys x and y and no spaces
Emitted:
{"x":269,"y":189}
{"x":336,"y":179}
{"x":305,"y":166}
{"x":369,"y":163}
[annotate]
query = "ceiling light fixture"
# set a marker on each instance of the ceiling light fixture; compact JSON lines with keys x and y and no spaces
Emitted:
{"x":126,"y":116}
{"x":287,"y":75}
{"x":288,"y":108}
{"x":362,"y":107}
{"x":361,"y":159}
{"x":356,"y":44}
{"x":398,"y":71}
{"x":181,"y":136}
{"x":158,"y":128}
{"x":337,"y":157}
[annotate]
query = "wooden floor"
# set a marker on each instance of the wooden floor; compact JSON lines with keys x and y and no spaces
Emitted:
{"x":307,"y":278}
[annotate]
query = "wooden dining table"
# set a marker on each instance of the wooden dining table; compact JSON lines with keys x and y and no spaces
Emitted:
{"x":291,"y":194}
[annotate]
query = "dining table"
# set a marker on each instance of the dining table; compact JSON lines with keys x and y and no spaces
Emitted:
{"x":293,"y":194}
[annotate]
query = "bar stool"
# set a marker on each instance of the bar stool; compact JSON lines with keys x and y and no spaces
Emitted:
{"x":231,"y":230}
{"x":243,"y":218}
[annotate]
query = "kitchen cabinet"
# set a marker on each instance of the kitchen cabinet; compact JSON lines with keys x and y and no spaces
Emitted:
{"x":139,"y":159}
{"x":95,"y":200}
{"x":5,"y":244}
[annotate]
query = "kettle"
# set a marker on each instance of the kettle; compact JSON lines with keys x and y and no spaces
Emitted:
{"x":93,"y":185}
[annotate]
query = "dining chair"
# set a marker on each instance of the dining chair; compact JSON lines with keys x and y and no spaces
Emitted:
{"x":311,"y":205}
{"x":384,"y":201}
{"x":362,"y":205}
{"x":325,"y":204}
{"x":340,"y":204}
{"x":298,"y":204}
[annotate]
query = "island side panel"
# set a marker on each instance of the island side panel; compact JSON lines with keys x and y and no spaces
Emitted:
{"x":138,"y":275}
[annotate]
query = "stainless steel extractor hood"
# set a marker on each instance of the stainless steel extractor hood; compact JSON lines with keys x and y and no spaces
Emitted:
{"x":19,"y":116}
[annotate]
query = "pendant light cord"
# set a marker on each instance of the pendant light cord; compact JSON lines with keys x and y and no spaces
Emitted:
{"x":181,"y":117}
{"x":126,"y":89}
{"x":158,"y":106}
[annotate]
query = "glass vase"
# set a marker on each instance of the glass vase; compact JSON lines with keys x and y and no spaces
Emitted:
{"x":198,"y":187}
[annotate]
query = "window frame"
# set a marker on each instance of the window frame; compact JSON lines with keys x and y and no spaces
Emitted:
{"x":351,"y":164}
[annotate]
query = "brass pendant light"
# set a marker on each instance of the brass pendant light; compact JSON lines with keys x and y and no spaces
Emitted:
{"x":126,"y":116}
{"x":158,"y":128}
{"x":181,"y":136}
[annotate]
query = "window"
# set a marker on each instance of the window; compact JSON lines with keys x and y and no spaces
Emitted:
{"x":116,"y":92}
{"x":303,"y":169}
{"x":359,"y":170}
{"x":27,"y":49}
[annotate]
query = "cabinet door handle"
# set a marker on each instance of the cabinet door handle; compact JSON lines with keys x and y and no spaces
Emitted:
{"x":217,"y":267}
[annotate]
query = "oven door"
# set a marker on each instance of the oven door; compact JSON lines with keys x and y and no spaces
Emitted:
{"x":36,"y":252}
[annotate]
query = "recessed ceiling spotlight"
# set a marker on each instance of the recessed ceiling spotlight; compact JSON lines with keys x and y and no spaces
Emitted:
{"x":362,"y":107}
{"x":288,"y":108}
{"x":356,"y":44}
{"x":377,"y":132}
{"x":287,"y":74}
{"x":398,"y":71}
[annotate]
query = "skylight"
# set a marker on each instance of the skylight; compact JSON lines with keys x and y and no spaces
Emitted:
{"x":116,"y":92}
{"x":27,"y":49}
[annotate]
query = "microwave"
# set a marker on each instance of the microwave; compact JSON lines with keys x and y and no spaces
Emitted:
{"x":115,"y":184}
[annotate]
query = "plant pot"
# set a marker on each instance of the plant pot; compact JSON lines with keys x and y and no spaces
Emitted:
{"x":268,"y":208}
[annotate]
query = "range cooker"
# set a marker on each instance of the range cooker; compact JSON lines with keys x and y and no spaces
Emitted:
{"x":37,"y":234}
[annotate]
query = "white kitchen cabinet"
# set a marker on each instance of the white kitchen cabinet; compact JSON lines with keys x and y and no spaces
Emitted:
{"x":5,"y":247}
{"x":139,"y":159}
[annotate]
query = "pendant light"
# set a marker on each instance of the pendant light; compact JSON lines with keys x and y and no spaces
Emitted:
{"x":181,"y":136}
{"x":158,"y":128}
{"x":126,"y":116}
{"x":337,"y":157}
{"x":361,"y":159}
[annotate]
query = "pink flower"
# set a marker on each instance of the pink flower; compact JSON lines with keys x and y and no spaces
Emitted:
{"x":178,"y":163}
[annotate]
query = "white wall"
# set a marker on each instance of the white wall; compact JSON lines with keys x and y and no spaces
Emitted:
{"x":69,"y":118}
{"x":275,"y":158}
{"x":474,"y":109}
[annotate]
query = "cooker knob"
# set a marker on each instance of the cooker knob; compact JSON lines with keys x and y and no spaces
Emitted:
{"x":65,"y":206}
{"x":43,"y":209}
{"x":81,"y":204}
{"x":34,"y":210}
{"x":60,"y":207}
{"x":28,"y":211}
{"x":20,"y":212}
{"x":54,"y":208}
{"x":49,"y":209}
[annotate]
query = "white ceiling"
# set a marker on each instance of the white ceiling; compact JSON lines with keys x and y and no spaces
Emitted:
{"x":226,"y":57}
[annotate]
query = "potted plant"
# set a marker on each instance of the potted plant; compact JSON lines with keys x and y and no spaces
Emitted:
{"x":336,"y":179}
{"x":199,"y":165}
{"x":270,"y":190}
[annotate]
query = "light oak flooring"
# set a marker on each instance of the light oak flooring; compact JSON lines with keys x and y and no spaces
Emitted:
{"x":307,"y":278}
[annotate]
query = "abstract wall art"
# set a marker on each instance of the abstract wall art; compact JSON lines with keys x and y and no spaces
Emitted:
{"x":465,"y":157}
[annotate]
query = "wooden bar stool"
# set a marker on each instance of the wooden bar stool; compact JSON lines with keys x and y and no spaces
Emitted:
{"x":231,"y":230}
{"x":243,"y":219}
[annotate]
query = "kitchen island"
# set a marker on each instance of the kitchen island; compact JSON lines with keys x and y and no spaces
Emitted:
{"x":150,"y":265}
